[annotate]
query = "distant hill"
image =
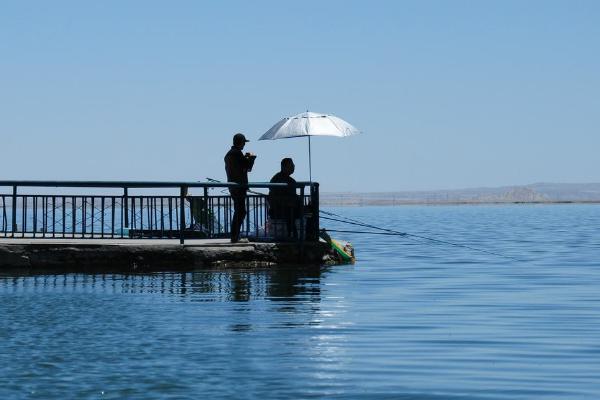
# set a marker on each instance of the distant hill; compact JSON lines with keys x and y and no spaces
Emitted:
{"x":534,"y":193}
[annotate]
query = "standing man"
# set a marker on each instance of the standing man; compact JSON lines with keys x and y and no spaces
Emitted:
{"x":237,"y":166}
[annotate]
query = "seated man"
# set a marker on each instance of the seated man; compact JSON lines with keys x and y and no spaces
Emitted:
{"x":284,"y":203}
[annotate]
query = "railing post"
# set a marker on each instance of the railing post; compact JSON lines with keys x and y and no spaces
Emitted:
{"x":314,"y":200}
{"x":125,"y":207}
{"x":302,"y":232}
{"x":182,"y":191}
{"x":247,"y":205}
{"x":205,"y":213}
{"x":14,"y":211}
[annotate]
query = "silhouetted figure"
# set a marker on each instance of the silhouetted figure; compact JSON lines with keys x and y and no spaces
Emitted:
{"x":237,"y":166}
{"x":284,"y":203}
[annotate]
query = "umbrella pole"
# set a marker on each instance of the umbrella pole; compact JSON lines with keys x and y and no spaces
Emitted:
{"x":309,"y":162}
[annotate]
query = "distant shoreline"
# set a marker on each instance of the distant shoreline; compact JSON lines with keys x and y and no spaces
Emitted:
{"x":535,"y":193}
{"x":449,"y":203}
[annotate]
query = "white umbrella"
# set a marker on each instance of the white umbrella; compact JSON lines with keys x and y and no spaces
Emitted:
{"x":310,"y":124}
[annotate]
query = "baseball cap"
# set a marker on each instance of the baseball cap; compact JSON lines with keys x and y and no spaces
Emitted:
{"x":239,"y":138}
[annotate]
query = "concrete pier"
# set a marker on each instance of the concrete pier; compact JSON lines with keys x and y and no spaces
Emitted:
{"x":147,"y":255}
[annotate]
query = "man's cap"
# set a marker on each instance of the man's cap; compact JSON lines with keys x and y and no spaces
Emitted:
{"x":239,"y":138}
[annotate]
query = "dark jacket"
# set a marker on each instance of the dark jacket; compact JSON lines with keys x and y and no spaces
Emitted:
{"x":283,"y":202}
{"x":237,"y":166}
{"x":282,"y":192}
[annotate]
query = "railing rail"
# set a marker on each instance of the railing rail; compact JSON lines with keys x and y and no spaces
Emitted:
{"x":25,"y":213}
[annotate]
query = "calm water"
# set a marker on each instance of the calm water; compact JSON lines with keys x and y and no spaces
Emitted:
{"x":410,"y":320}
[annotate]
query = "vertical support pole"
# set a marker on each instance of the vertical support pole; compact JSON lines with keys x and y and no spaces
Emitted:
{"x":182,"y":191}
{"x":112,"y":216}
{"x":314,"y":199}
{"x":73,"y":216}
{"x":247,"y":215}
{"x":64,"y":216}
{"x":14,"y":211}
{"x":302,"y":232}
{"x":125,"y":207}
{"x":170,"y":217}
{"x":93,"y":209}
{"x":162,"y":217}
{"x":53,"y":216}
{"x":309,"y":161}
{"x":102,"y":216}
{"x":204,"y":214}
{"x":24,"y":205}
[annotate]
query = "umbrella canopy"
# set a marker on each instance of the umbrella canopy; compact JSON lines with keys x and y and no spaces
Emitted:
{"x":309,"y":124}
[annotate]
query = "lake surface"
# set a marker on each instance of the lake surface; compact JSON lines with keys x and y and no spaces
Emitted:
{"x":410,"y":320}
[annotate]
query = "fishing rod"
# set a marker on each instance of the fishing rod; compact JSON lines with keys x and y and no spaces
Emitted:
{"x":391,"y":232}
{"x":224,"y":190}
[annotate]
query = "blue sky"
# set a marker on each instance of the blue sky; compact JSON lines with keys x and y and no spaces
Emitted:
{"x":449,"y":94}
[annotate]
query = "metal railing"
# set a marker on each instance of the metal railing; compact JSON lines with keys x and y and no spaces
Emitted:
{"x":26,"y":212}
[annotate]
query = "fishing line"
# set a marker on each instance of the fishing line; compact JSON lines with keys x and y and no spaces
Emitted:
{"x":363,"y":232}
{"x":363,"y":224}
{"x":392,"y":232}
{"x":351,"y":221}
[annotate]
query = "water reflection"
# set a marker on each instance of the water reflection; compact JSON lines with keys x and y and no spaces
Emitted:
{"x":287,"y":284}
{"x":256,"y":325}
{"x":294,"y":293}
